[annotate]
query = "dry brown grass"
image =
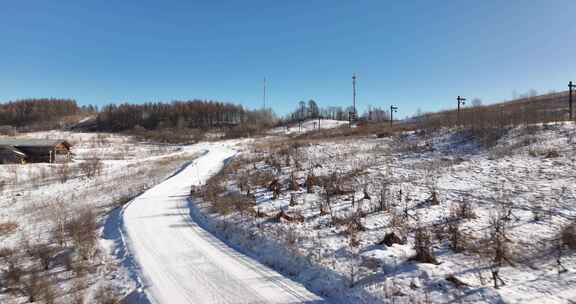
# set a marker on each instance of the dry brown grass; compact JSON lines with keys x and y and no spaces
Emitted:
{"x":8,"y":228}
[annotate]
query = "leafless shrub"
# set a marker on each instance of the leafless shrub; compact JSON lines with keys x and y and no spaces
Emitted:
{"x":292,"y":200}
{"x":63,"y":172}
{"x":455,"y":236}
{"x":352,"y":223}
{"x":7,"y":228}
{"x":91,"y":167}
{"x":568,"y":236}
{"x":433,"y":199}
{"x":292,"y":217}
{"x":546,"y":152}
{"x":34,"y":287}
{"x":232,"y":202}
{"x":333,"y":184}
{"x":213,"y":188}
{"x":43,"y":253}
{"x":310,"y":182}
{"x":397,"y":221}
{"x":293,"y":183}
{"x":57,"y":214}
{"x":462,"y":210}
{"x":243,"y":182}
{"x":82,"y":230}
{"x":496,"y":247}
{"x":276,"y":188}
{"x":261,"y":178}
{"x":47,"y":291}
{"x":325,"y":204}
{"x":13,"y":169}
{"x":366,"y":193}
{"x":537,"y":213}
{"x":392,"y":238}
{"x":105,"y":294}
{"x":423,"y":247}
{"x":14,"y":272}
{"x":78,"y":291}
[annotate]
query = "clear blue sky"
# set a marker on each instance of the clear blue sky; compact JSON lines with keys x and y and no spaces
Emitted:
{"x":416,"y":54}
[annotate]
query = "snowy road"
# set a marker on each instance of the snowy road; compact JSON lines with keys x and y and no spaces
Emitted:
{"x":182,"y":263}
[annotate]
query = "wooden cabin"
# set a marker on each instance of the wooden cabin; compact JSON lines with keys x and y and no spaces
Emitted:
{"x":17,"y":150}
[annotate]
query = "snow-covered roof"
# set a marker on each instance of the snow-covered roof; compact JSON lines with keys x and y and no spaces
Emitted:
{"x":13,"y":150}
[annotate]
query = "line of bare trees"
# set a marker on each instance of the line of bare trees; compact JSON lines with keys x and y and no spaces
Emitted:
{"x":38,"y":113}
{"x":178,"y":114}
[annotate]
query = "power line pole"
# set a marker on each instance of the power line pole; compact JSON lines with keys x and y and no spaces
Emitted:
{"x":392,"y":110}
{"x":461,"y":101}
{"x":570,"y":87}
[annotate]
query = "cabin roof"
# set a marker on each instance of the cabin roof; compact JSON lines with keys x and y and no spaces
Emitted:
{"x":13,"y":150}
{"x":31,"y":142}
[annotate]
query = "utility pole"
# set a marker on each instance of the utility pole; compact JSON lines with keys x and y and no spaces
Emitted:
{"x":461,"y":101}
{"x":571,"y":86}
{"x":392,"y":110}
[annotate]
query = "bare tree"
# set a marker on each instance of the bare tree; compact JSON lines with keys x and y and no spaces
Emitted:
{"x":91,"y":167}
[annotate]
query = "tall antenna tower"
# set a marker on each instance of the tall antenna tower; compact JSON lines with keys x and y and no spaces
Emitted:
{"x":264,"y":94}
{"x":354,"y":92}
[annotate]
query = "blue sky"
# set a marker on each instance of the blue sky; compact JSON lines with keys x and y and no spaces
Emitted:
{"x":415,"y":54}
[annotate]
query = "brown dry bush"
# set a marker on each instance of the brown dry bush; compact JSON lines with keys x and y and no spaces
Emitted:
{"x":261,"y":178}
{"x":311,"y":181}
{"x":78,"y":291}
{"x":63,"y":172}
{"x":106,"y":295}
{"x":35,"y":286}
{"x":462,"y":210}
{"x":232,"y":202}
{"x":91,"y":167}
{"x":293,"y":183}
{"x":568,"y":236}
{"x":351,"y":222}
{"x":423,"y":246}
{"x":455,"y":237}
{"x":82,"y":230}
{"x":14,"y":272}
{"x":7,"y":228}
{"x":392,"y":238}
{"x":243,"y":182}
{"x":43,"y":253}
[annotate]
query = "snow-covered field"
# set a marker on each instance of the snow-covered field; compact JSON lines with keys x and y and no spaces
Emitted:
{"x":497,"y":212}
{"x":413,"y":218}
{"x":38,"y":201}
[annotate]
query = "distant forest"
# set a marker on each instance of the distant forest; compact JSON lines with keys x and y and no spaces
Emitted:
{"x":194,"y":114}
{"x":177,"y":120}
{"x":311,"y":110}
{"x":43,"y":113}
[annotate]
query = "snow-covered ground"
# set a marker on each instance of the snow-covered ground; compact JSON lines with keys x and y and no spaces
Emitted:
{"x":38,"y":200}
{"x":525,"y":181}
{"x":309,"y":125}
{"x":333,"y":244}
{"x":181,"y":262}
